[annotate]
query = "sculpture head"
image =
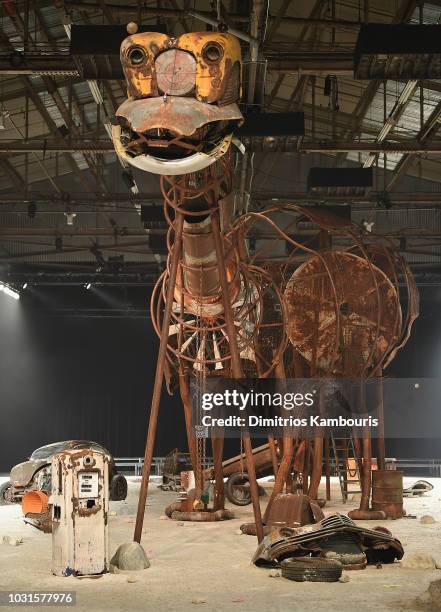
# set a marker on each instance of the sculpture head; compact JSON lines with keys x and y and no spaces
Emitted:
{"x":182,"y":110}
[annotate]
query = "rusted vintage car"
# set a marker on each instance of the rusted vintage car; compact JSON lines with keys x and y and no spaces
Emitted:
{"x":35,"y":473}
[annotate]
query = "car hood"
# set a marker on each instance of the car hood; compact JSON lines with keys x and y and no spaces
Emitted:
{"x":23,"y":473}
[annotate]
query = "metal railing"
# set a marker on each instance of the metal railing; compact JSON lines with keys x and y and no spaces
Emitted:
{"x":135,"y":464}
{"x":430,"y":467}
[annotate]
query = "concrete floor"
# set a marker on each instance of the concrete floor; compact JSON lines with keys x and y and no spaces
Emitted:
{"x":211,"y":562}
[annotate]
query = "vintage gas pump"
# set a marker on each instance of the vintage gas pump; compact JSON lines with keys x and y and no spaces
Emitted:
{"x":80,"y":504}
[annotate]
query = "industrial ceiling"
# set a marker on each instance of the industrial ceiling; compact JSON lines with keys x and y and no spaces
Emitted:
{"x":69,"y":212}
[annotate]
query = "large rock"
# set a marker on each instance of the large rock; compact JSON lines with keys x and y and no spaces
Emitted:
{"x":427,"y":520}
{"x":12,"y":541}
{"x":129,"y":557}
{"x":418,"y":561}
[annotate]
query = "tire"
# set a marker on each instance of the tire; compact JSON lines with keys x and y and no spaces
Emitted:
{"x":237,"y":489}
{"x":309,"y":569}
{"x":3,"y":493}
{"x":118,"y":488}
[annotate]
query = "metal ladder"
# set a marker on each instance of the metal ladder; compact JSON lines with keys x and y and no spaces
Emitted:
{"x":343,"y":449}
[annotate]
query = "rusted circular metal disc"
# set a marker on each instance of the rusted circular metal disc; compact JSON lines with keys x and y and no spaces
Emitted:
{"x":312,"y":315}
{"x":175,"y":72}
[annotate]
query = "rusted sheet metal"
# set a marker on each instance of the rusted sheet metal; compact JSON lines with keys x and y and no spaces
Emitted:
{"x":23,"y":473}
{"x":181,"y":116}
{"x":202,"y":292}
{"x":387,"y":492}
{"x":138,"y":53}
{"x":261,"y":456}
{"x":175,"y":72}
{"x":216,"y":61}
{"x":290,"y":509}
{"x":342,"y":312}
{"x":378,"y":543}
{"x":40,"y":520}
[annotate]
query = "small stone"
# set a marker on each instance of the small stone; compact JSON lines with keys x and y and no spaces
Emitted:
{"x":274,"y":573}
{"x":180,"y":523}
{"x":130,"y":556}
{"x":132,"y":579}
{"x":427,"y":520}
{"x":344,"y":578}
{"x":12,"y":541}
{"x":163,"y":517}
{"x":238,"y":532}
{"x":418,"y":561}
{"x":198,"y":600}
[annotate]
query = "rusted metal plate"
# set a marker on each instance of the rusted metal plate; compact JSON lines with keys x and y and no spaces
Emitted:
{"x":343,"y":313}
{"x":175,"y":72}
{"x":290,"y":509}
{"x":22,"y":474}
{"x":261,"y":456}
{"x":387,"y":492}
{"x":182,"y":116}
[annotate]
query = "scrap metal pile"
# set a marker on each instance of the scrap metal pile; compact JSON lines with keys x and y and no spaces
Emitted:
{"x":339,"y":532}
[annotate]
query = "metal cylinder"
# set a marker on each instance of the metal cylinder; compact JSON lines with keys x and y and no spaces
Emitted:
{"x":387,"y":492}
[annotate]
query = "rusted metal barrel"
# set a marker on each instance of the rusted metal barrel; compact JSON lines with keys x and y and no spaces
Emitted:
{"x":387,"y":492}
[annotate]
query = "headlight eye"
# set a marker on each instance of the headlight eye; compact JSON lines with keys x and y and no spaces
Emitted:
{"x":136,"y":55}
{"x":212,"y":52}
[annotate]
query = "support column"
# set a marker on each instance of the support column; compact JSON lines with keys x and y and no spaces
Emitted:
{"x":157,"y":388}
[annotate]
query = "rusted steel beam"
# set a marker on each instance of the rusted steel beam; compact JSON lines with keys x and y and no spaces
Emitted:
{"x":159,"y":375}
{"x":236,"y":369}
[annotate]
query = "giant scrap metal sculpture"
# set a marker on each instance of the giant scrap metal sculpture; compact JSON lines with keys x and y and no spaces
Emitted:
{"x":216,"y":311}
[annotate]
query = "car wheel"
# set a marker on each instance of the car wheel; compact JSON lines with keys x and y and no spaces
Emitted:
{"x":118,"y":488}
{"x":237,"y":489}
{"x":5,"y":490}
{"x":310,"y":569}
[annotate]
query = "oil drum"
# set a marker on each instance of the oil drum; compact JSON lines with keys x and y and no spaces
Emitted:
{"x":387,"y":492}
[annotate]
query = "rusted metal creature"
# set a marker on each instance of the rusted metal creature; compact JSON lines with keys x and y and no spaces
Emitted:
{"x":216,"y":310}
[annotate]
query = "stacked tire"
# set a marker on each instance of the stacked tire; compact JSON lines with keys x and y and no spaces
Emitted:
{"x":310,"y":569}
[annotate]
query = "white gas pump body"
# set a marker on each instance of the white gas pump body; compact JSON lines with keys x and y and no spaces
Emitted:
{"x":80,"y":505}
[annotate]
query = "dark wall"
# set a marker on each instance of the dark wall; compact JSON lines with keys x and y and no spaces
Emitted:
{"x":421,"y":357}
{"x":85,"y":378}
{"x":67,"y":376}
